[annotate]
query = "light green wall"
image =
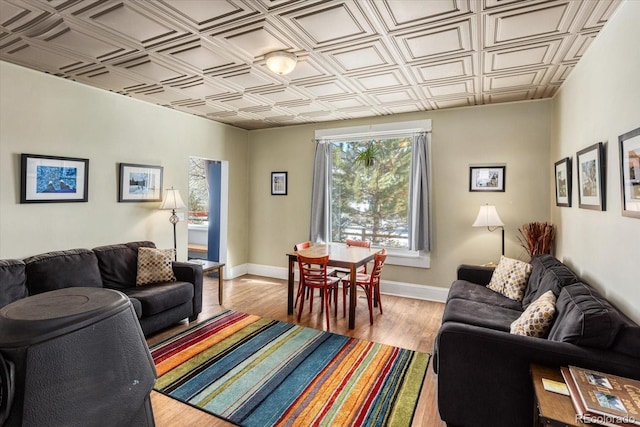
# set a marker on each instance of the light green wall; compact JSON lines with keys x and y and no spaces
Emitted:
{"x":600,"y":101}
{"x":515,"y":134}
{"x":42,"y":114}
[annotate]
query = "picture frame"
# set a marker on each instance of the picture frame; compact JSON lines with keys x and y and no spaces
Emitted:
{"x":278,"y":183}
{"x":630,"y":173}
{"x":563,"y":178}
{"x":140,"y":183}
{"x":487,"y":178}
{"x":591,"y":177}
{"x":53,"y":179}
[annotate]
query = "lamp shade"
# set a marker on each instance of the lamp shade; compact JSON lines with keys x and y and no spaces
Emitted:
{"x":172,"y":200}
{"x":281,"y":62}
{"x":488,"y":217}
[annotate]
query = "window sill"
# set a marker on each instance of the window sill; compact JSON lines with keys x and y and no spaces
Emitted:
{"x":407,"y":258}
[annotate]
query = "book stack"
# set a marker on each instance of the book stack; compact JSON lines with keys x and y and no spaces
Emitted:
{"x":603,"y":399}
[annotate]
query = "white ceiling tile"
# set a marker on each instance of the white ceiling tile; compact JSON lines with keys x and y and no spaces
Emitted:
{"x":452,"y":68}
{"x":257,"y":42}
{"x":541,"y":20}
{"x":201,"y":57}
{"x":537,"y":54}
{"x":530,"y":78}
{"x":449,"y":39}
{"x":134,"y":24}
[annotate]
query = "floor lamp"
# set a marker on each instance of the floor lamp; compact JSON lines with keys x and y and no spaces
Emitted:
{"x":488,"y":217}
{"x":173,"y":201}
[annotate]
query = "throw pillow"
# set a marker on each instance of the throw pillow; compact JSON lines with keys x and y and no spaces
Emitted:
{"x":510,"y":278}
{"x":536,"y":320}
{"x":154,"y":266}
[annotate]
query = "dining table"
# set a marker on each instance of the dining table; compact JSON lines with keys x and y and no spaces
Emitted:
{"x":340,"y":255}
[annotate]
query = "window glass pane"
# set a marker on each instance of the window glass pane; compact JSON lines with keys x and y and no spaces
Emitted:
{"x":370,"y":200}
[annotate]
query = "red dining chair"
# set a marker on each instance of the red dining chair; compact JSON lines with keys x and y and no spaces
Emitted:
{"x":313,"y":275}
{"x":362,"y":244}
{"x":299,"y":247}
{"x":369,"y":282}
{"x":360,"y":270}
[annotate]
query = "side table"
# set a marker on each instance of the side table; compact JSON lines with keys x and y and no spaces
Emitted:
{"x":551,"y":408}
{"x":212,"y":267}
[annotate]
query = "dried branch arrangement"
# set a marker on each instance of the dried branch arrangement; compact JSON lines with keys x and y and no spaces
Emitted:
{"x":537,"y":237}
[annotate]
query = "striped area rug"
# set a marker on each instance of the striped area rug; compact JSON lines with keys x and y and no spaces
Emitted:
{"x":259,"y":372}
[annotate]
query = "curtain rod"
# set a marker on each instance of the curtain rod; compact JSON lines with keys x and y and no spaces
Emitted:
{"x":373,"y":134}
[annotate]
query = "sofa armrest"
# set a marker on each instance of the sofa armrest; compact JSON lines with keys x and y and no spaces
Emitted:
{"x":484,"y":375}
{"x":192,"y":273}
{"x":475,"y":274}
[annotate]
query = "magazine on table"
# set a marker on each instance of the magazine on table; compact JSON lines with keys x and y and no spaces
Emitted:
{"x":603,"y":398}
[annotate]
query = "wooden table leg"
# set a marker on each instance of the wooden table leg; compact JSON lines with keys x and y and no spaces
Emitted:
{"x":290,"y":287}
{"x":220,"y":286}
{"x":352,"y":297}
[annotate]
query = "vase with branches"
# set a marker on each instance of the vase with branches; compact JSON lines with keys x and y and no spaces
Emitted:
{"x":537,"y":237}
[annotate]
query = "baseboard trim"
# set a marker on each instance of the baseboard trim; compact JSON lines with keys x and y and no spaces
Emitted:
{"x":236,"y":271}
{"x":387,"y":287}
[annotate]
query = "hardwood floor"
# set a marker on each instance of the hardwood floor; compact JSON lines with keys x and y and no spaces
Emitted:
{"x":406,"y":323}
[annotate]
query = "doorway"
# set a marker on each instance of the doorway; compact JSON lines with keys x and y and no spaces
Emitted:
{"x":208,"y":207}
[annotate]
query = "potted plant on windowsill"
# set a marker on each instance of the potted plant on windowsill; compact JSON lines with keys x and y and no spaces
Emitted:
{"x":367,"y":156}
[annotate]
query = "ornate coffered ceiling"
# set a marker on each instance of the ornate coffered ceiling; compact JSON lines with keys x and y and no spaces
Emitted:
{"x":356,"y":58}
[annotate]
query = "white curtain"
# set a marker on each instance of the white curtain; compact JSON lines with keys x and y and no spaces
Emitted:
{"x":321,"y":194}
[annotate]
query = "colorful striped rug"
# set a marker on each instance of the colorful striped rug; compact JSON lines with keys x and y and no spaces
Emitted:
{"x":259,"y":372}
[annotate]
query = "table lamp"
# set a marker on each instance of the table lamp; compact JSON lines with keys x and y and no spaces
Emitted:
{"x":488,"y":217}
{"x":173,"y":201}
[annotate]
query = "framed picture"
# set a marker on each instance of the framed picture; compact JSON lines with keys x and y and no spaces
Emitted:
{"x":278,"y":183}
{"x":50,"y":179}
{"x":563,"y":182}
{"x":591,"y":185}
{"x":140,"y":183}
{"x":630,"y":172}
{"x":486,"y":178}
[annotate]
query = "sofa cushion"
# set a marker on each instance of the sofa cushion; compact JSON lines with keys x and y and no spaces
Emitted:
{"x":510,"y":278}
{"x":585,"y":318}
{"x":536,"y":320}
{"x":479,"y":314}
{"x":628,"y":339}
{"x":119,"y":263}
{"x":539,"y":264}
{"x":547,"y":274}
{"x":62,"y":269}
{"x":473,"y":292}
{"x":154,"y":266}
{"x":158,"y":297}
{"x":13,"y":281}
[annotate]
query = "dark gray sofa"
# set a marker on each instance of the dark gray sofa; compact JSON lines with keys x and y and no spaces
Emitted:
{"x":484,"y":371}
{"x":157,"y":305}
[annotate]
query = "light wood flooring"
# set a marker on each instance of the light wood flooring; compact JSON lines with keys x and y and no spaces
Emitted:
{"x":406,"y":323}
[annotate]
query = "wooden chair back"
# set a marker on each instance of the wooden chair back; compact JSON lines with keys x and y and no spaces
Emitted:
{"x":301,"y":246}
{"x":361,"y":243}
{"x":313,"y":270}
{"x":378,"y":263}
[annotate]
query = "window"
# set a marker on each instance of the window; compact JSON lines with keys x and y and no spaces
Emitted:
{"x":198,"y":191}
{"x":370,"y":190}
{"x":371,"y":183}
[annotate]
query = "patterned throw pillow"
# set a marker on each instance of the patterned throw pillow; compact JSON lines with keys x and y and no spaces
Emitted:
{"x":536,"y":320}
{"x":154,"y":266}
{"x":510,"y":278}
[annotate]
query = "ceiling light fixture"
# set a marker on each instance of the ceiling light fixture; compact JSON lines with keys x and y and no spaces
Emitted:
{"x":281,"y":62}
